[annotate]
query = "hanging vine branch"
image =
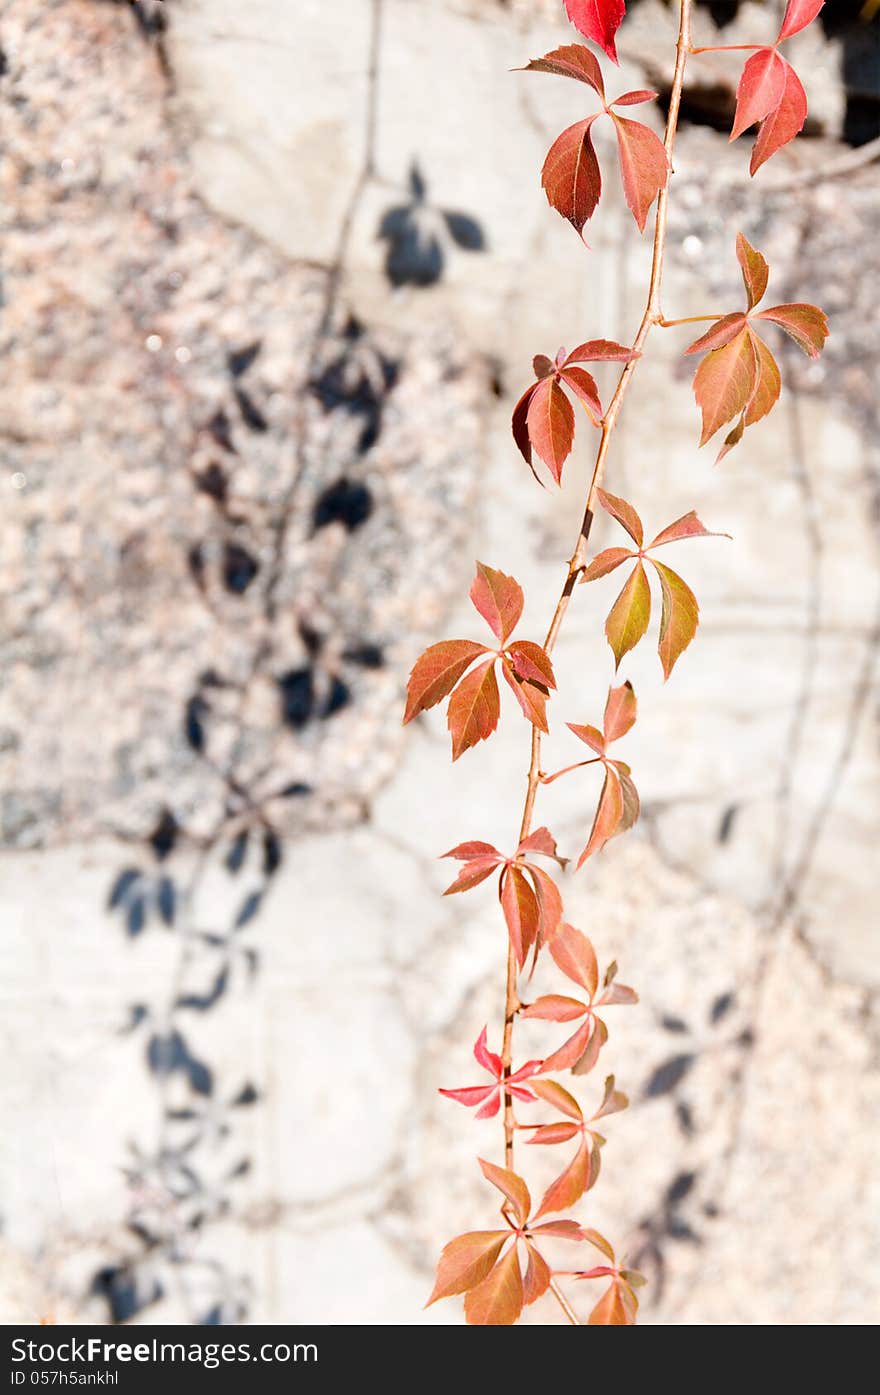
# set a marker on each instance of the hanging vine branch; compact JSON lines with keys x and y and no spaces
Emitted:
{"x":501,"y":1271}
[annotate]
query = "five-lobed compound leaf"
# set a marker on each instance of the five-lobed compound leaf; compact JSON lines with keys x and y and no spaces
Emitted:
{"x":738,"y":377}
{"x":465,"y":671}
{"x":597,"y":20}
{"x":543,"y":419}
{"x":631,"y":612}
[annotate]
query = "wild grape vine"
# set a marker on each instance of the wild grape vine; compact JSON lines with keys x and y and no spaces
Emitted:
{"x":502,"y":1270}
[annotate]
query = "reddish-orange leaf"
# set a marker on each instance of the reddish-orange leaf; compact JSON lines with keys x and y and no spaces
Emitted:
{"x":631,"y":802}
{"x":604,"y":562}
{"x":609,"y":812}
{"x":599,"y":351}
{"x":541,"y":840}
{"x":724,"y":382}
{"x":768,"y":386}
{"x":573,"y":61}
{"x":620,"y":711}
{"x":551,"y":425}
{"x":464,"y":852}
{"x":628,"y":618}
{"x":520,"y":426}
{"x":569,"y":1186}
{"x":679,"y":616}
{"x":721,"y":333}
{"x":520,"y":906}
{"x":572,"y":1050}
{"x":598,"y":20}
{"x":549,"y":903}
{"x":624,"y":513}
{"x":756,"y":272}
{"x":499,"y":599}
{"x":498,"y":1300}
{"x":798,"y":14}
{"x":610,"y":1311}
{"x":571,"y":178}
{"x":588,"y":734}
{"x":589,"y":1056}
{"x":474,"y":708}
{"x":574,"y":955}
{"x":554,"y":1007}
{"x":475,"y":872}
{"x":688,"y":526}
{"x":553,"y":1093}
{"x":760,"y":90}
{"x":538,"y":1276}
{"x":511,"y":1185}
{"x":532,"y":698}
{"x":531,"y":662}
{"x":613,"y":1101}
{"x":466,"y":1261}
{"x":547,"y":1135}
{"x":806,"y":324}
{"x":634,"y":99}
{"x":436,"y":673}
{"x":583,"y":385}
{"x":783,"y":123}
{"x":644,"y":167}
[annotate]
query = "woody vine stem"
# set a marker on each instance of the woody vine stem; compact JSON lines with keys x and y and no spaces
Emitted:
{"x":651,"y":317}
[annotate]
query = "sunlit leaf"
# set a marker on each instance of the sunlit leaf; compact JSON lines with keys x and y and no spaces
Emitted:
{"x":572,"y":61}
{"x":624,"y":513}
{"x":598,"y":20}
{"x":608,"y":815}
{"x":620,"y":711}
{"x":806,"y":324}
{"x":436,"y":673}
{"x":569,"y":1186}
{"x":498,"y":1300}
{"x":466,"y":1261}
{"x":679,"y":616}
{"x":629,"y":616}
{"x":511,"y":1185}
{"x":644,"y":167}
{"x":755,"y":270}
{"x":474,"y":708}
{"x":760,"y":89}
{"x":571,"y":178}
{"x":499,"y":599}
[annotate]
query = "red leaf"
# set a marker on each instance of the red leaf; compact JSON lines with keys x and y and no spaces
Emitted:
{"x":572,"y":61}
{"x":609,"y":812}
{"x":569,"y":1186}
{"x":783,"y":124}
{"x":624,"y":513}
{"x":599,"y":351}
{"x":768,"y":386}
{"x":538,"y":1276}
{"x":565,"y":1230}
{"x":678,"y":619}
{"x":806,"y":324}
{"x":644,"y":166}
{"x":590,"y":1054}
{"x":541,"y":840}
{"x":489,"y":1060}
{"x":464,"y":852}
{"x":760,"y":89}
{"x":531,"y":662}
{"x":724,"y":382}
{"x":588,"y":734}
{"x":466,"y":1261}
{"x":436,"y":673}
{"x":634,"y":99}
{"x":755,"y":270}
{"x":499,"y":599}
{"x":620,"y":712}
{"x":548,"y":1135}
{"x":532,"y":698}
{"x":471,"y":1095}
{"x":474,"y":708}
{"x":551,"y":425}
{"x":598,"y":20}
{"x":520,"y":906}
{"x":571,"y":177}
{"x":611,"y":1311}
{"x":721,"y":333}
{"x":798,"y":14}
{"x":605,"y":562}
{"x":471,"y":875}
{"x":629,"y":616}
{"x":572,"y":1050}
{"x":553,"y":1007}
{"x":520,"y":427}
{"x":553,"y":1093}
{"x":511,"y":1185}
{"x":498,"y":1300}
{"x":688,"y":526}
{"x":583,"y":385}
{"x":549,"y":903}
{"x":574,"y":955}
